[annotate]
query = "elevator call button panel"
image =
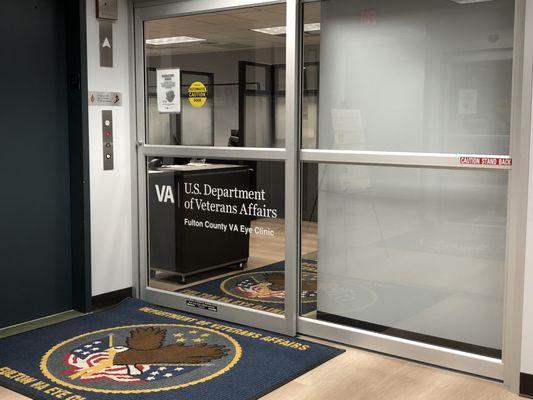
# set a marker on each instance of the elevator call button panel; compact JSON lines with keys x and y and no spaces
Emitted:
{"x":107,"y":138}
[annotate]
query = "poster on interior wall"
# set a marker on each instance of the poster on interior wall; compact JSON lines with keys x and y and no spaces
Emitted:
{"x":168,"y":90}
{"x":468,"y":102}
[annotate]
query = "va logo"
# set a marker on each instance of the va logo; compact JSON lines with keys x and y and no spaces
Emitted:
{"x":164,"y":194}
{"x":141,"y":358}
{"x":269,"y":286}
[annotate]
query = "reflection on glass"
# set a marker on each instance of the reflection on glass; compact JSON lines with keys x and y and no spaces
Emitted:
{"x":217,"y":230}
{"x":409,"y":252}
{"x":414,"y":75}
{"x":231,"y":75}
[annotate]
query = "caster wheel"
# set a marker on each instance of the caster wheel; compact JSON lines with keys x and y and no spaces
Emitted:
{"x":183,"y":279}
{"x":241,"y":266}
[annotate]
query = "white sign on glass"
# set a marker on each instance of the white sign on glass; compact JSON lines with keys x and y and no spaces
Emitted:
{"x":168,"y":90}
{"x":348,"y":127}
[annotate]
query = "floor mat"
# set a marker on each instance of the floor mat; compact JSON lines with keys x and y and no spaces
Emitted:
{"x":261,"y":288}
{"x":140,"y":351}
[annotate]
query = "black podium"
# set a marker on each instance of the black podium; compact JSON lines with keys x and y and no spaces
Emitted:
{"x":184,"y":241}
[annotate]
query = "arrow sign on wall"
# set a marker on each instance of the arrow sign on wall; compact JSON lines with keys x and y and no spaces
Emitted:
{"x":106,"y":43}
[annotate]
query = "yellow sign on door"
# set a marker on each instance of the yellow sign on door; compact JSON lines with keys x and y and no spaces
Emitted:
{"x":197,"y":94}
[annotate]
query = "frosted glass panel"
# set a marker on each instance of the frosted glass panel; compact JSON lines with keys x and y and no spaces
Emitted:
{"x":197,"y":125}
{"x":279,"y":140}
{"x":415,"y":75}
{"x":410,"y":252}
{"x":159,"y":122}
{"x":258,"y":121}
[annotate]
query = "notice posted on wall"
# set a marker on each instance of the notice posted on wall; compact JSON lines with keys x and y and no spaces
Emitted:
{"x":168,"y":90}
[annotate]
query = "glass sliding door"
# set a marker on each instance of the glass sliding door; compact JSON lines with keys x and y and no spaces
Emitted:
{"x":212,"y":166}
{"x":404,"y":189}
{"x":417,"y":253}
{"x":337,"y":168}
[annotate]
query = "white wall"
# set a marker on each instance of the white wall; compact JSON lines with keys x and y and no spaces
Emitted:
{"x":111,"y":225}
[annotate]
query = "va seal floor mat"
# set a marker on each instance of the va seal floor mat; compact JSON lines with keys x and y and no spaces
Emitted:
{"x":261,"y":288}
{"x":140,"y":351}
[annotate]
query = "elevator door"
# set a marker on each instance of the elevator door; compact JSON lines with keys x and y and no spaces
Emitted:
{"x":35,"y":276}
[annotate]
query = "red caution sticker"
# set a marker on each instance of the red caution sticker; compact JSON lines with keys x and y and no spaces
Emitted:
{"x":497,"y":161}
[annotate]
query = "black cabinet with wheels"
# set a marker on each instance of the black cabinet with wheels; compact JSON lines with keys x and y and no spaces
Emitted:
{"x":188,"y":241}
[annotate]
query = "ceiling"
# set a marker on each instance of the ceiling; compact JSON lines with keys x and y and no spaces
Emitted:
{"x":223,"y":31}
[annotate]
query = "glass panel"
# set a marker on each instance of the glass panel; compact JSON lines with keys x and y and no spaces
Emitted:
{"x":222,"y":65}
{"x":415,"y":76}
{"x":410,"y":252}
{"x":217,"y":230}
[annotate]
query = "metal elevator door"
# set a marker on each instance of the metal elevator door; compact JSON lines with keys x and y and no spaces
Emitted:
{"x":35,"y":252}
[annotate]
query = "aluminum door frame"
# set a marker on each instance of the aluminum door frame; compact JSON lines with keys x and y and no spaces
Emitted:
{"x":286,"y":324}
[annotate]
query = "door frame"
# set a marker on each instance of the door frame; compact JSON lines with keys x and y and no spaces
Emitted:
{"x":78,"y":136}
{"x":508,"y":368}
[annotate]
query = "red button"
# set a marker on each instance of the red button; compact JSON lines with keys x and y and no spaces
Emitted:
{"x":108,"y":133}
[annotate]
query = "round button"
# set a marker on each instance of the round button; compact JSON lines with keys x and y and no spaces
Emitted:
{"x":108,"y":144}
{"x":107,"y":122}
{"x":108,"y":156}
{"x":108,"y":133}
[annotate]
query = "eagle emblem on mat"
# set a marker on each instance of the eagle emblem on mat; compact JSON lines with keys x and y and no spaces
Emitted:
{"x":146,"y":357}
{"x":269,"y":286}
{"x":144,"y":352}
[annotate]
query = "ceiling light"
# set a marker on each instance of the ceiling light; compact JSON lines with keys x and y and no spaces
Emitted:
{"x":275,"y":30}
{"x":282,"y":30}
{"x":173,"y":40}
{"x":469,"y":1}
{"x":315,"y":26}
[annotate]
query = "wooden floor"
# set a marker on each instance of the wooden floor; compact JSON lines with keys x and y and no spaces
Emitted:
{"x":362,"y":375}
